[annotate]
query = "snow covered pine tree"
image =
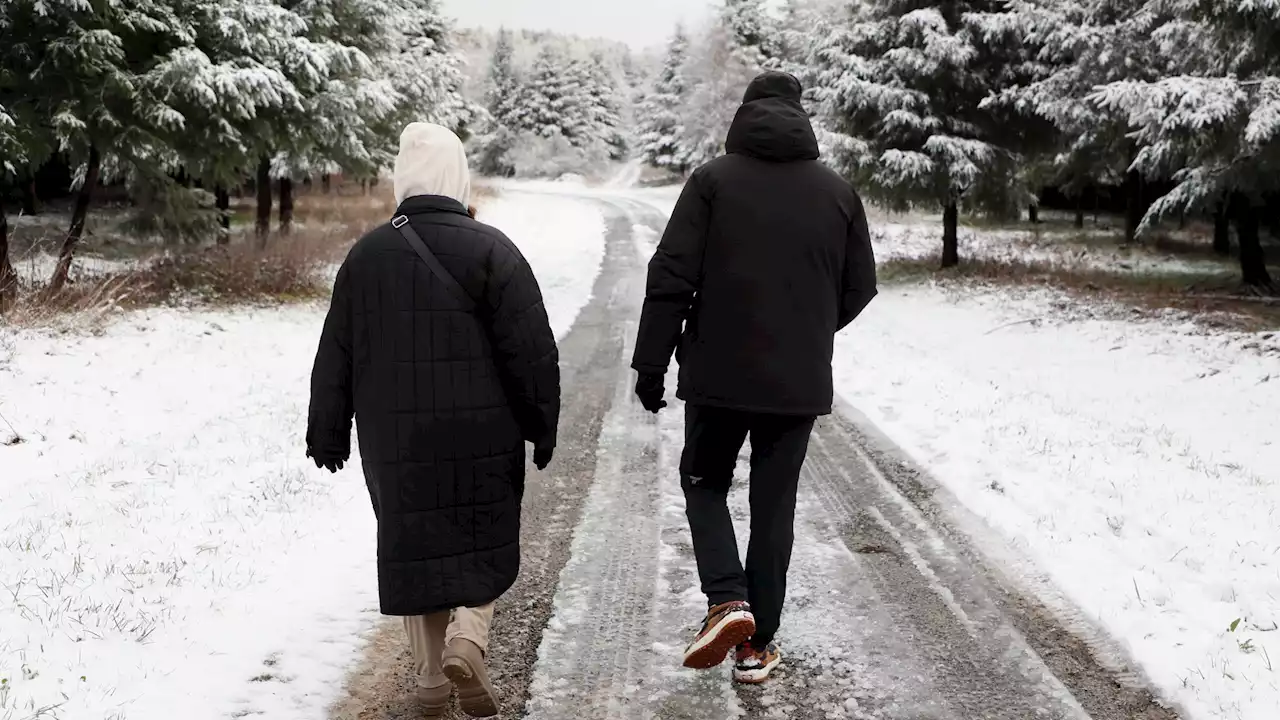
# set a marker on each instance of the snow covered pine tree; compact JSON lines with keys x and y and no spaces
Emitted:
{"x":659,"y":118}
{"x":1215,"y":129}
{"x":738,"y":45}
{"x":905,"y":84}
{"x":503,"y":104}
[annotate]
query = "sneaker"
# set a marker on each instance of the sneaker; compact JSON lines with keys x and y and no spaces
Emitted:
{"x":754,"y":666}
{"x":727,"y":626}
{"x":464,"y":666}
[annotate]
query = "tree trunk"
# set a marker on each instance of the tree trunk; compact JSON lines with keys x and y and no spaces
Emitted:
{"x":30,"y":198}
{"x":1132,"y":206}
{"x":78,"y":218}
{"x":1253,"y":261}
{"x":1080,"y":214}
{"x":326,"y":183}
{"x":1033,"y":213}
{"x":264,"y":199}
{"x":1222,"y":231}
{"x":286,"y":205}
{"x":364,"y":187}
{"x":8,"y":280}
{"x":950,"y":235}
{"x":222,"y":201}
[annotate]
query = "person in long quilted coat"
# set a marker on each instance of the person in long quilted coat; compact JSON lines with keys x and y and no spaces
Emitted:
{"x":445,"y":395}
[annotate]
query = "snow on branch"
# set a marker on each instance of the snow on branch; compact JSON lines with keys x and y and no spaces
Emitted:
{"x":904,"y":167}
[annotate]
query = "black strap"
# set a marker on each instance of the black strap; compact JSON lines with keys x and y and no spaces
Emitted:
{"x":401,"y":223}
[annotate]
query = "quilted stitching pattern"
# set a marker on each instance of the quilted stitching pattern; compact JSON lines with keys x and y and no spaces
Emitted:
{"x":443,"y":399}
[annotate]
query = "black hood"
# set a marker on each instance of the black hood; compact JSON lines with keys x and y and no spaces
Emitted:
{"x":772,"y":124}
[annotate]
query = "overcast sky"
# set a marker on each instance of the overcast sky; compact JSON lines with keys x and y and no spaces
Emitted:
{"x":639,"y":22}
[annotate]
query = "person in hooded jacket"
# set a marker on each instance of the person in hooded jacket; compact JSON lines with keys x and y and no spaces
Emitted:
{"x":448,"y":372}
{"x":766,"y":257}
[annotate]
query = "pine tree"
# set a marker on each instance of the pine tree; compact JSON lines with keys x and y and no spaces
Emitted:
{"x":502,"y":96}
{"x":226,"y":83}
{"x":577,"y":114}
{"x":347,"y":106}
{"x":98,"y":94}
{"x":24,"y":140}
{"x":801,"y":26}
{"x":551,"y":102}
{"x":1081,"y":45}
{"x":659,"y":130}
{"x":1214,"y":127}
{"x":604,"y":108}
{"x":14,"y":149}
{"x":736,"y":48}
{"x":753,"y":35}
{"x":504,"y":106}
{"x":905,"y":86}
{"x":425,"y":70}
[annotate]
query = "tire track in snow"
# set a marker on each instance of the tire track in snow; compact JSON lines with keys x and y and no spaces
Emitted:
{"x":976,"y":661}
{"x":954,"y":616}
{"x":591,"y":354}
{"x":1055,"y":646}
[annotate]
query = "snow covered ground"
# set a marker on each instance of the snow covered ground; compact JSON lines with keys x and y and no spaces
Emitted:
{"x":38,"y":267}
{"x":1134,"y":461}
{"x":562,"y":238}
{"x":897,"y":237}
{"x":164,"y":543}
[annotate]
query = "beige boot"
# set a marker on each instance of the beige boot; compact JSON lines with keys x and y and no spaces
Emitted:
{"x":464,"y":664}
{"x":435,"y":701}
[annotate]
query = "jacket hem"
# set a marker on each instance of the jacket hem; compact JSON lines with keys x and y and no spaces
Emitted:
{"x":691,"y":399}
{"x":401,"y":611}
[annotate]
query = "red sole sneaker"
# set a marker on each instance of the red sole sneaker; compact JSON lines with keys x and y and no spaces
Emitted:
{"x":710,"y":650}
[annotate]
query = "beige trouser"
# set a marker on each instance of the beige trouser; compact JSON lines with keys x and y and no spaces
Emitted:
{"x":429,"y":635}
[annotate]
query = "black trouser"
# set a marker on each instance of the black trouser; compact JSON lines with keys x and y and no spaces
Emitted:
{"x":713,"y":439}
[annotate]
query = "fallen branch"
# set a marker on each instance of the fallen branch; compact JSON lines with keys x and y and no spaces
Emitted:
{"x":1012,"y":324}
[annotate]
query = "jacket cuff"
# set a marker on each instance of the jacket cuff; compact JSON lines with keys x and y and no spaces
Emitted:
{"x":330,"y":445}
{"x":649,"y":369}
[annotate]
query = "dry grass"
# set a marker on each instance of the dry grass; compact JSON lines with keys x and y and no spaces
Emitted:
{"x":287,"y":268}
{"x":354,"y":212}
{"x":1218,"y":298}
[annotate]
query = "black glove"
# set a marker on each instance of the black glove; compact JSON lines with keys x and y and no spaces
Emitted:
{"x":542,"y":455}
{"x":650,"y":390}
{"x":333,"y":465}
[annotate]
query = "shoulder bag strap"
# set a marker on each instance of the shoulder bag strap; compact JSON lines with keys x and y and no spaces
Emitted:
{"x":401,"y":223}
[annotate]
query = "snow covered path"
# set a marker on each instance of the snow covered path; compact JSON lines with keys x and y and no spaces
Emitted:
{"x":892,"y":616}
{"x":170,"y":553}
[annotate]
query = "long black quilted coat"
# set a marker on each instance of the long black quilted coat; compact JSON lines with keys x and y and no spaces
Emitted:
{"x":443,"y":400}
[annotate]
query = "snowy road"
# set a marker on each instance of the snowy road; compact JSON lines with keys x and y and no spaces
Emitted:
{"x":892,"y":614}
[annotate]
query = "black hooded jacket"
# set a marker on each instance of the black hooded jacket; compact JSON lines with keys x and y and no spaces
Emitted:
{"x":767,"y":255}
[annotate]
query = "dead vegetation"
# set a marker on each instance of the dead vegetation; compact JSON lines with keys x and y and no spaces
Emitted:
{"x":291,"y":266}
{"x":1217,"y":299}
